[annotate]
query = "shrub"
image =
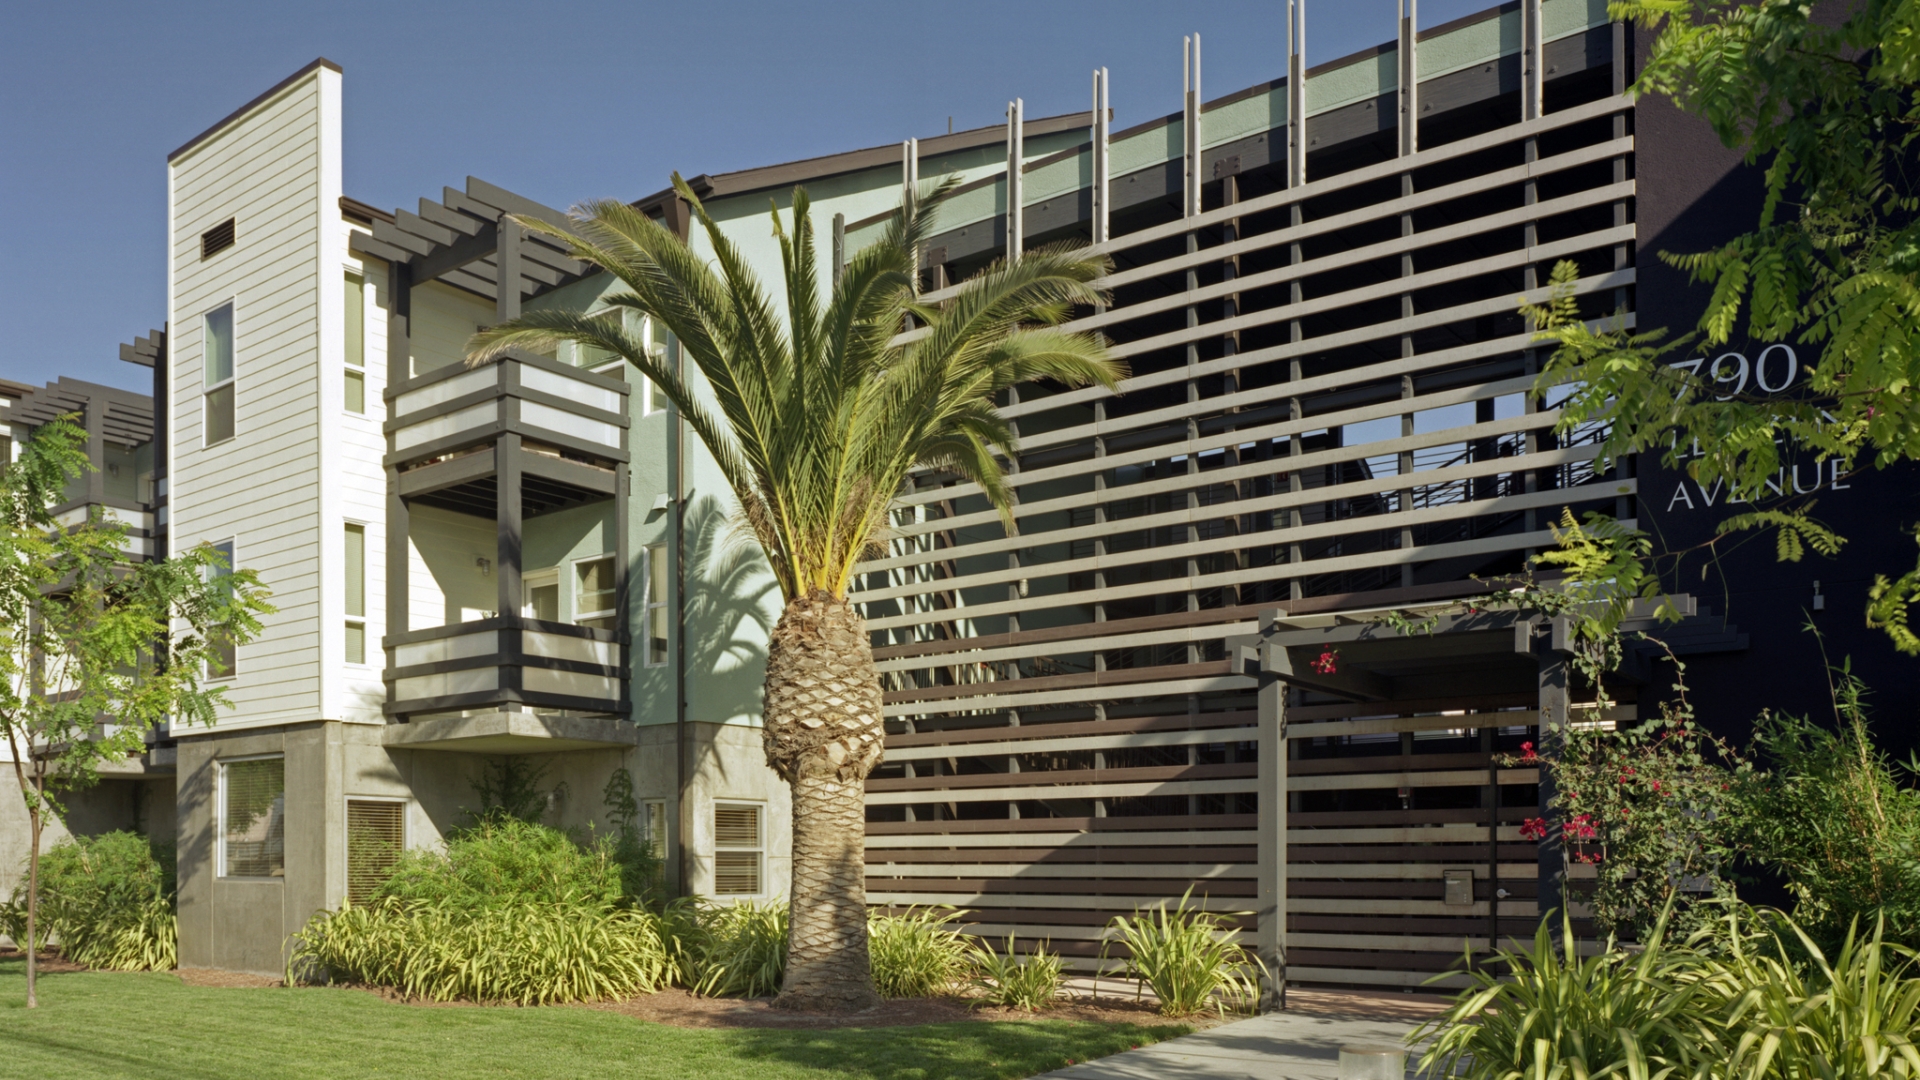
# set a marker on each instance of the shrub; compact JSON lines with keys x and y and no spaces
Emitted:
{"x":733,"y":950}
{"x":1016,"y":981}
{"x":1780,"y":1007}
{"x":917,"y":954}
{"x":1831,"y":818}
{"x":1554,"y":1012}
{"x":503,"y":860}
{"x":513,"y":953}
{"x":1189,"y":959}
{"x":106,"y":900}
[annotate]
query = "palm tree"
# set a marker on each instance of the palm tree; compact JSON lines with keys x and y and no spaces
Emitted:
{"x":817,"y":419}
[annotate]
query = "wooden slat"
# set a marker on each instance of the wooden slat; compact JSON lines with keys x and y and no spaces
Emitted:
{"x":997,"y":733}
{"x":1112,"y":825}
{"x":1077,"y":791}
{"x":933,"y":785}
{"x":1363,"y":781}
{"x":888,"y":842}
{"x":1046,"y":856}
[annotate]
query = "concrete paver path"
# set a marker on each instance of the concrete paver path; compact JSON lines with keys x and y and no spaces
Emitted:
{"x":1302,"y":1043}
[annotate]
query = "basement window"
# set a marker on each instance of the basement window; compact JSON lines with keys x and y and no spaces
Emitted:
{"x":739,"y":849}
{"x":217,"y":239}
{"x":253,"y":828}
{"x":376,"y":835}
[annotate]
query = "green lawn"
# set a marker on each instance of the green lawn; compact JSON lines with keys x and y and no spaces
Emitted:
{"x":150,"y":1025}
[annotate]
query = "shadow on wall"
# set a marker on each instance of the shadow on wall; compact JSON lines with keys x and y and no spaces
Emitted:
{"x":732,"y":602}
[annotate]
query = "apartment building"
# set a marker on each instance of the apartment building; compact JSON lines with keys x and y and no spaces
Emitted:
{"x":1329,"y":417}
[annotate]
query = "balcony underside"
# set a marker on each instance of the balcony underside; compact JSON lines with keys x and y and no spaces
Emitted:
{"x":468,"y":484}
{"x":512,"y":733}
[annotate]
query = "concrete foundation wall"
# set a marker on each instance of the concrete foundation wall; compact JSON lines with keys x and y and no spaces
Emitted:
{"x":243,"y":924}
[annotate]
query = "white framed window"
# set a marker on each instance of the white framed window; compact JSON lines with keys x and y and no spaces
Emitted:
{"x":253,"y":828}
{"x":226,"y":660}
{"x":542,"y":590}
{"x":739,"y":849}
{"x":217,"y":366}
{"x":355,"y":582}
{"x":354,"y":393}
{"x":655,"y":621}
{"x":655,"y":822}
{"x":596,"y":602}
{"x":376,"y":836}
{"x":654,"y":335}
{"x":597,"y":359}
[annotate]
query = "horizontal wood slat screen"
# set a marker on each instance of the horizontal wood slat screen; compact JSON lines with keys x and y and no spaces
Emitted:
{"x":1330,"y":409}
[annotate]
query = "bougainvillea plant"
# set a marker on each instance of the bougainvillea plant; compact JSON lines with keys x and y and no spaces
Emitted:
{"x":1650,"y":807}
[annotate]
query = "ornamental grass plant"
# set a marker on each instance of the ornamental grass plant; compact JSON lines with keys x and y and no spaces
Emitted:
{"x":917,"y":953}
{"x":521,"y":953}
{"x":1015,"y":980}
{"x":106,"y":901}
{"x":1188,"y":957}
{"x":733,"y":950}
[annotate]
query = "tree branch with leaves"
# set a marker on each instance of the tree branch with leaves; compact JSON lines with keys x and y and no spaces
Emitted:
{"x":96,"y":649}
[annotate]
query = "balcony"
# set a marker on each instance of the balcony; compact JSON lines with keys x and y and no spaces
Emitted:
{"x":508,"y":663}
{"x":497,"y":453}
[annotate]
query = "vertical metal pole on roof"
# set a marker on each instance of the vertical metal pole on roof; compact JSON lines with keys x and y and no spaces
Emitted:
{"x":1190,"y":125}
{"x":1409,"y":78}
{"x":506,"y":261}
{"x":1016,"y":187}
{"x":1532,"y":68}
{"x":1102,"y":131}
{"x":1296,"y":92}
{"x":910,"y":190}
{"x":839,"y":247}
{"x":1409,"y":145}
{"x":1530,"y":108}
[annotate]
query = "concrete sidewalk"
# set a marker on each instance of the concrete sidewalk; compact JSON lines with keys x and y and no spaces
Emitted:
{"x":1302,"y":1043}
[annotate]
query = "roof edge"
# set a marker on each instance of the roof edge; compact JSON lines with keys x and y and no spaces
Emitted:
{"x":317,"y":64}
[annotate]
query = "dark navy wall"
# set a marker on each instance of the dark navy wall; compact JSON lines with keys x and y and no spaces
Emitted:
{"x":1693,"y":193}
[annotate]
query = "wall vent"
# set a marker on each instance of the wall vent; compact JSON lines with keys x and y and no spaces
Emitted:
{"x":217,"y":239}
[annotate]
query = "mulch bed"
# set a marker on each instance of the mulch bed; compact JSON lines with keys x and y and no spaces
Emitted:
{"x":682,"y":1009}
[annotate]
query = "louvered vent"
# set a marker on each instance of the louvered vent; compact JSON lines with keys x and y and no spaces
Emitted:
{"x":217,"y":239}
{"x":376,"y":834}
{"x":737,"y":856}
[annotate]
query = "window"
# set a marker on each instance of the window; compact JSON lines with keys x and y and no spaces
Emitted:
{"x":225,"y":663}
{"x":738,"y":849}
{"x":355,"y":397}
{"x":217,"y":239}
{"x":376,"y":835}
{"x":656,"y":826}
{"x":253,"y":828}
{"x":356,"y":582}
{"x":655,"y":336}
{"x":595,"y":602}
{"x":216,"y":413}
{"x":594,"y":358}
{"x":542,"y":595}
{"x":656,"y":605}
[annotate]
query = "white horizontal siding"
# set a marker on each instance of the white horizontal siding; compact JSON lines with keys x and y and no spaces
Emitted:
{"x":274,"y":171}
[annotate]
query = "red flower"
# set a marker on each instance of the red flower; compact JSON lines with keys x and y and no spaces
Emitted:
{"x":1526,"y":752}
{"x":1327,"y":665}
{"x":1533,"y":829}
{"x":1582,"y":827}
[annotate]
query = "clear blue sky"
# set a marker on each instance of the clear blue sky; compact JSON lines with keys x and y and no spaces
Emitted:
{"x":557,"y":101}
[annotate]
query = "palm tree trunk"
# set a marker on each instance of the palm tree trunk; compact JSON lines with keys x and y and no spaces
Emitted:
{"x":823,"y":736}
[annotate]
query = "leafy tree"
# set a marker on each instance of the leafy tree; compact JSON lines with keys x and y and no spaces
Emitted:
{"x":1830,"y":111}
{"x":816,"y":416}
{"x":94,"y":650}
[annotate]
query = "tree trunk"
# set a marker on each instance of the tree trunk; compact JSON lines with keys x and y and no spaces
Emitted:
{"x":823,"y":736}
{"x":34,"y":816}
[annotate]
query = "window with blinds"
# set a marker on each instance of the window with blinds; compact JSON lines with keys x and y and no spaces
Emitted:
{"x":356,"y":598}
{"x":376,"y":835}
{"x":216,"y":402}
{"x":739,"y":849}
{"x":253,"y":828}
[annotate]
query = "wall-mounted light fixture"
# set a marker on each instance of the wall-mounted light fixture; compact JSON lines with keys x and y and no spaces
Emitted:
{"x":483,"y":564}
